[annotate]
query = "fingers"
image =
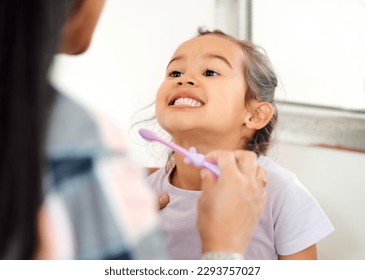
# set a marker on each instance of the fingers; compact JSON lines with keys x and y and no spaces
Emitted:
{"x":261,"y":176}
{"x":226,"y":162}
{"x":207,"y":179}
{"x":239,"y":162}
{"x":236,"y":161}
{"x":247,"y":161}
{"x":163,"y":200}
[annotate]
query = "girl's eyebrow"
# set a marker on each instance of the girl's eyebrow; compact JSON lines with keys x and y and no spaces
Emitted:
{"x":174,"y":59}
{"x":225,"y":60}
{"x":210,"y":55}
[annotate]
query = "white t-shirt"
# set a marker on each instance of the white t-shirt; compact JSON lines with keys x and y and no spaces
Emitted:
{"x":291,"y":221}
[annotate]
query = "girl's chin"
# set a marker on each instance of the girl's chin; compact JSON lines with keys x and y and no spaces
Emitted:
{"x":180,"y":126}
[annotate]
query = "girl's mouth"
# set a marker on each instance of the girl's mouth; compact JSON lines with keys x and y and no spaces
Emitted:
{"x":185,"y":101}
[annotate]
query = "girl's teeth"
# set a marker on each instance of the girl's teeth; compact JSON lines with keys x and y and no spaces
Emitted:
{"x":187,"y":101}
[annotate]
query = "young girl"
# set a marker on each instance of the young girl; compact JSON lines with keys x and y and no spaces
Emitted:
{"x":219,"y":94}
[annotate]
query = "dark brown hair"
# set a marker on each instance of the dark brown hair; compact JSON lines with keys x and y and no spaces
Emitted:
{"x":29,"y":36}
{"x":261,"y":83}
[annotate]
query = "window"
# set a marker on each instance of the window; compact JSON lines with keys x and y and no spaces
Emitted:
{"x":317,"y":48}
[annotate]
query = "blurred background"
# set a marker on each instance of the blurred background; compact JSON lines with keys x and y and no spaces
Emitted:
{"x":317,"y":48}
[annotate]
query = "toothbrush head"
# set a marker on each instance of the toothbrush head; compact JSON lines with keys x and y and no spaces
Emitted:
{"x":147,"y":134}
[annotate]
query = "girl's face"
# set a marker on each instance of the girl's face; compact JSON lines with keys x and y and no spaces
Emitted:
{"x":204,"y":89}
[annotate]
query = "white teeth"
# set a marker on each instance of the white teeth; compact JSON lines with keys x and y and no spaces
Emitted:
{"x":188,"y":102}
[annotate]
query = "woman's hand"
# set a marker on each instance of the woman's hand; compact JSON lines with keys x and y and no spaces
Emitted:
{"x":231,"y":205}
{"x":163,"y":200}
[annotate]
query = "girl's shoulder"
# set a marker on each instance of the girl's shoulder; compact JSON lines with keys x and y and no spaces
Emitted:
{"x":280,"y":181}
{"x":157,"y":180}
{"x":274,"y":170}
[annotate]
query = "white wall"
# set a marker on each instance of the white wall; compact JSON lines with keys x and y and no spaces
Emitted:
{"x":122,"y":70}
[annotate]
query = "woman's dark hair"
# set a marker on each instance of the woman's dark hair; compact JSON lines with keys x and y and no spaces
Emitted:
{"x":261,"y":84}
{"x":29,"y":37}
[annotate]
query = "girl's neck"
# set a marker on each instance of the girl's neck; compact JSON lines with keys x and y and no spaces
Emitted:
{"x":186,"y":176}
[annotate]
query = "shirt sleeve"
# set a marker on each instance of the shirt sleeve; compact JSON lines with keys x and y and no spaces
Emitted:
{"x":301,"y":222}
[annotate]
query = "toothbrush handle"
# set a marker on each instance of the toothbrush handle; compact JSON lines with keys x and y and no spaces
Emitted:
{"x":208,"y":165}
{"x":212,"y":167}
{"x":175,"y":147}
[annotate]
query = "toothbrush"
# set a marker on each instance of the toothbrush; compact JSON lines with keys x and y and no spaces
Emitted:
{"x":190,"y":156}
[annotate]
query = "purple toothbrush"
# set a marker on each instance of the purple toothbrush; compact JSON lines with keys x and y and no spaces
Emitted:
{"x":190,"y":156}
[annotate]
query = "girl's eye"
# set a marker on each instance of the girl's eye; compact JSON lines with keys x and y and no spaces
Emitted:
{"x":175,"y":74}
{"x":210,"y":73}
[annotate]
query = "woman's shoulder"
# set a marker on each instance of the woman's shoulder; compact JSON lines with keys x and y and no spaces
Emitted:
{"x":76,"y":130}
{"x":71,"y":128}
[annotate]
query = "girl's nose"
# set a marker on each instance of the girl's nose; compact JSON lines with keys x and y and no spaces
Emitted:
{"x":188,"y":82}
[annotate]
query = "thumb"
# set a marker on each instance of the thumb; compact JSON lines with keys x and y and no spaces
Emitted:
{"x":207,"y":179}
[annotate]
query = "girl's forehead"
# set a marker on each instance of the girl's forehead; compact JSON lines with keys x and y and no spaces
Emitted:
{"x":211,"y":44}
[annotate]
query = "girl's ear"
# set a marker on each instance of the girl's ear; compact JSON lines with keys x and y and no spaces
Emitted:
{"x":262,"y":113}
